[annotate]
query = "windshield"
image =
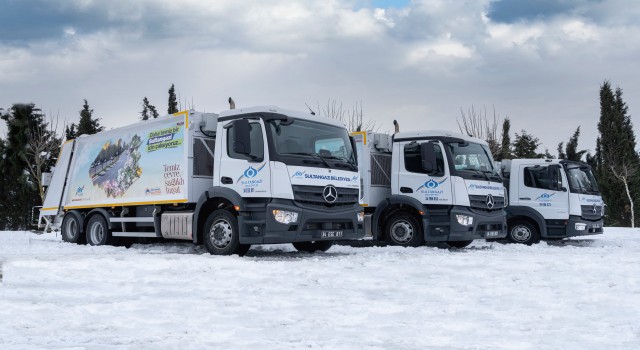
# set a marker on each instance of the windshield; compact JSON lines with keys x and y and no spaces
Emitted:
{"x":472,"y":157}
{"x":581,"y":180}
{"x":302,"y":142}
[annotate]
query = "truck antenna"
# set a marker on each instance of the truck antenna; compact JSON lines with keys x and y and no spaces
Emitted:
{"x":395,"y":123}
{"x":310,"y":110}
{"x":232,"y":105}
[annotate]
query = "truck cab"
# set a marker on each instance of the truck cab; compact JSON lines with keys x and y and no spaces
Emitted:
{"x":429,"y":186}
{"x":245,"y":176}
{"x":551,"y":199}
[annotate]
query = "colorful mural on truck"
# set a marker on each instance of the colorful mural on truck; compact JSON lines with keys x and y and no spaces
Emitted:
{"x":144,"y":163}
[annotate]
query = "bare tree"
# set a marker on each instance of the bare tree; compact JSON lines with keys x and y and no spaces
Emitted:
{"x":353,"y":118}
{"x":42,"y":145}
{"x":477,"y":124}
{"x":624,"y":170}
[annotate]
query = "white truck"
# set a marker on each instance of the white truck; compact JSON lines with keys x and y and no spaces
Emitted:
{"x":551,"y":199}
{"x":245,"y":176}
{"x":429,"y":186}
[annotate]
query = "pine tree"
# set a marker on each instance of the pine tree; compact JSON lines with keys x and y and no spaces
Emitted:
{"x":173,"y":100}
{"x":20,"y":193}
{"x":70,"y":131}
{"x":5,"y":183}
{"x":525,"y":146}
{"x":148,"y":110}
{"x":616,"y":158}
{"x":505,"y":147}
{"x":88,"y":125}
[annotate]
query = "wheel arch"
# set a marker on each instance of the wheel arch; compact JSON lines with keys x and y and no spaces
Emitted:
{"x":390,"y":206}
{"x":212,"y":199}
{"x":521,"y":213}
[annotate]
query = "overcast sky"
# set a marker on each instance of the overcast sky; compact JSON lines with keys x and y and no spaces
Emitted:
{"x":538,"y":62}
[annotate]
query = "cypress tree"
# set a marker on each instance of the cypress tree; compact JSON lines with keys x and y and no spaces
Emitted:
{"x":173,"y":100}
{"x":70,"y":132}
{"x":616,"y":158}
{"x":572,"y":152}
{"x":505,"y":147}
{"x":148,"y":110}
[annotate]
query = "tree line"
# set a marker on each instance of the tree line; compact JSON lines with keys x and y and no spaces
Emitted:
{"x":31,"y":147}
{"x":615,"y":163}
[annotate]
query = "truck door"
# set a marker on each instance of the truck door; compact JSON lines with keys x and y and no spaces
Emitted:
{"x":542,"y":188}
{"x":244,"y":163}
{"x":413,"y":180}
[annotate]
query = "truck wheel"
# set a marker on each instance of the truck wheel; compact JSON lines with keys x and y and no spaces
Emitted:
{"x":459,"y":244}
{"x":523,"y":232}
{"x":311,"y":247}
{"x":221,"y":235}
{"x":98,"y":231}
{"x":404,"y":230}
{"x":71,"y":229}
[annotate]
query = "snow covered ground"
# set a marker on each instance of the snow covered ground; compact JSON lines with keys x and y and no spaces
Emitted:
{"x":578,"y":294}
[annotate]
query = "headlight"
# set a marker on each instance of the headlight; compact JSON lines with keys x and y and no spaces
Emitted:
{"x":465,"y":220}
{"x":580,"y":226}
{"x":361,"y":216}
{"x":285,"y":217}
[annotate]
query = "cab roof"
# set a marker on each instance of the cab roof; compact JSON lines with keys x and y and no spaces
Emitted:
{"x":283,"y":111}
{"x":423,"y":134}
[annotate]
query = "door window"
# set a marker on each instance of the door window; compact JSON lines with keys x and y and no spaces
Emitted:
{"x":540,"y":177}
{"x":413,"y":158}
{"x":257,"y":143}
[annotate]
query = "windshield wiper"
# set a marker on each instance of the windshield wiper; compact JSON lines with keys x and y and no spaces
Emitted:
{"x":344,"y":160}
{"x":315,"y":155}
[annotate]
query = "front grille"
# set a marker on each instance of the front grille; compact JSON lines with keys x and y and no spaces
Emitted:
{"x":480,"y":203}
{"x":311,"y":196}
{"x":588,"y":212}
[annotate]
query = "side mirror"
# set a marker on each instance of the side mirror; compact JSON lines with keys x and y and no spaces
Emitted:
{"x":428,"y":152}
{"x":242,"y":136}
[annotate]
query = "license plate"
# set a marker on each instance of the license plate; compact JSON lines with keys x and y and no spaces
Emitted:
{"x":331,"y":234}
{"x":596,"y":226}
{"x":492,"y":234}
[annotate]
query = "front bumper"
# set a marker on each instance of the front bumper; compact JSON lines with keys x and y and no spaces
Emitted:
{"x":442,"y":228}
{"x":591,"y":227}
{"x":313,"y":224}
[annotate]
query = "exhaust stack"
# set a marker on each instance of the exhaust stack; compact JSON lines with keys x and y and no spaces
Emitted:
{"x":397,"y":127}
{"x":232,"y":105}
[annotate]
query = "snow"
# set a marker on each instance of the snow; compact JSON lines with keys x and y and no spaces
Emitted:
{"x":583,"y":293}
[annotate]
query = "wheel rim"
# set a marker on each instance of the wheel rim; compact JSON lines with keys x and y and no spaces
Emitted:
{"x":401,"y":232}
{"x":96,"y":233}
{"x":71,"y":228}
{"x":520,"y":233}
{"x":221,"y":233}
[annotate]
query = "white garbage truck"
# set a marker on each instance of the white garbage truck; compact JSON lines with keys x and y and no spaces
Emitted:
{"x":245,"y":176}
{"x":551,"y":199}
{"x":429,"y":186}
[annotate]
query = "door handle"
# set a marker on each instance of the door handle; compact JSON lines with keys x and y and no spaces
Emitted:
{"x":525,"y":198}
{"x":406,"y":190}
{"x":226,"y":180}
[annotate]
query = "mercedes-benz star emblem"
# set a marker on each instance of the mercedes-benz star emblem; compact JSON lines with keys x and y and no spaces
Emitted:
{"x":490,"y":201}
{"x":595,"y":209}
{"x":330,"y":194}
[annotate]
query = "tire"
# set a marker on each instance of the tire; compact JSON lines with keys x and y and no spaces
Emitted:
{"x":311,"y":247}
{"x":404,"y":230}
{"x":459,"y":244}
{"x":71,"y":229}
{"x":221,"y":235}
{"x":523,"y":232}
{"x":97,"y":231}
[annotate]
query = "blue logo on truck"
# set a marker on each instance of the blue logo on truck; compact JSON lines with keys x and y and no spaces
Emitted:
{"x":251,"y":172}
{"x":431,"y":184}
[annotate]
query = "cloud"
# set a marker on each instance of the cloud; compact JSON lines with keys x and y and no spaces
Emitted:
{"x":419,"y":62}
